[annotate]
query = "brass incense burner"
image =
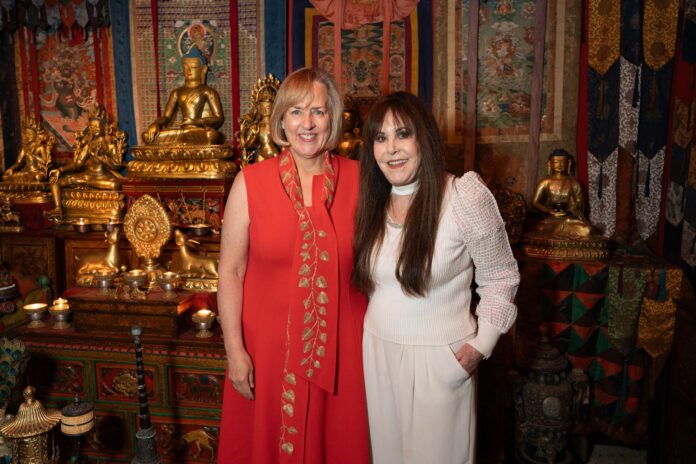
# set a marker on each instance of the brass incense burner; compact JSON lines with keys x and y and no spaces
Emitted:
{"x":30,"y":432}
{"x":547,"y":402}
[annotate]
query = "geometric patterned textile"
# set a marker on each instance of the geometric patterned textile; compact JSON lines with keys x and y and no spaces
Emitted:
{"x":575,"y":305}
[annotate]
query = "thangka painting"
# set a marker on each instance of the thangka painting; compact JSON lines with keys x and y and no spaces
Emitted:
{"x":362,"y":54}
{"x":180,"y":24}
{"x":505,"y":65}
{"x":68,"y":81}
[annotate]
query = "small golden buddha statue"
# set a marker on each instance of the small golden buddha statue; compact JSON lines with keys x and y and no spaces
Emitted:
{"x":564,"y":232}
{"x":193,"y":147}
{"x":97,"y":157}
{"x":200,"y":107}
{"x":35,"y":155}
{"x":254,"y":134}
{"x":351,"y":140}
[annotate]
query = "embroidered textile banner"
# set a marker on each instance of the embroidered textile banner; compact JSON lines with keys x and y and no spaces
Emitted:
{"x":62,"y":77}
{"x":362,"y":54}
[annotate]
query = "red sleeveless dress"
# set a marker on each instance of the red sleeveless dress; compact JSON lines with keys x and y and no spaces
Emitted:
{"x":336,"y":423}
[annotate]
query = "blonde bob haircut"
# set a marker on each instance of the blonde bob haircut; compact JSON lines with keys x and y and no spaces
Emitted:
{"x":292,"y":91}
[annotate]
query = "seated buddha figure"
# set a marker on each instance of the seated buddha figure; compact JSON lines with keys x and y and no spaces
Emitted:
{"x":254,"y":134}
{"x":34,"y":157}
{"x":559,"y":196}
{"x":200,"y":108}
{"x":97,"y":156}
{"x":350,"y":141}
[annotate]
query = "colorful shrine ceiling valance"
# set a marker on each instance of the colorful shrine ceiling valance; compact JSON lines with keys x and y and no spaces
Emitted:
{"x":51,"y":15}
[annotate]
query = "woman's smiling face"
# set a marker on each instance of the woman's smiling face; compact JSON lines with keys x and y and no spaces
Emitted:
{"x":396,"y":151}
{"x":307,"y":123}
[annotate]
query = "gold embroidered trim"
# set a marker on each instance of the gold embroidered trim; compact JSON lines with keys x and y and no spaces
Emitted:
{"x":659,"y":31}
{"x":604,"y":34}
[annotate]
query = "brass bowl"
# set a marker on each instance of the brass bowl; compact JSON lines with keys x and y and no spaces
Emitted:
{"x":137,"y":278}
{"x":36,"y":312}
{"x":111,"y":225}
{"x":104,"y":279}
{"x":168,"y":281}
{"x":197,"y":229}
{"x":82,"y":226}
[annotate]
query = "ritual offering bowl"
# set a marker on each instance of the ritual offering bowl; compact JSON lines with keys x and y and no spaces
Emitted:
{"x":168,"y":281}
{"x":137,"y":278}
{"x":203,"y":320}
{"x":104,"y":279}
{"x":60,"y":316}
{"x":82,"y":225}
{"x":198,"y":229}
{"x":36,"y":312}
{"x":112,"y":224}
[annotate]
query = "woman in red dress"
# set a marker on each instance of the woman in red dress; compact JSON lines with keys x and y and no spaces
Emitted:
{"x":292,"y":323}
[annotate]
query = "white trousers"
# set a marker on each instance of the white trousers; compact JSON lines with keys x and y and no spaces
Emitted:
{"x":420,"y":404}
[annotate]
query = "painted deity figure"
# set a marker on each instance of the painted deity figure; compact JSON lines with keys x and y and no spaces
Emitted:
{"x":97,"y":156}
{"x":200,"y":108}
{"x":34,"y":157}
{"x":559,"y":196}
{"x":255,"y":127}
{"x":350,"y":141}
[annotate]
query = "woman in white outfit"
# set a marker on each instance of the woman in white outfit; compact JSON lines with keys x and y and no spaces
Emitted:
{"x":421,"y":237}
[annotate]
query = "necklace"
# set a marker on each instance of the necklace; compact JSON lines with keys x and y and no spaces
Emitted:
{"x":392,"y":223}
{"x":408,"y":189}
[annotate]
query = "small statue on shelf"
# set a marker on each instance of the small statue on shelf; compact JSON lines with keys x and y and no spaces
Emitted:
{"x":200,"y":107}
{"x":351,"y":140}
{"x":35,"y":155}
{"x":559,"y":196}
{"x":254,"y":134}
{"x":10,"y":220}
{"x":564,"y":232}
{"x":98,"y":154}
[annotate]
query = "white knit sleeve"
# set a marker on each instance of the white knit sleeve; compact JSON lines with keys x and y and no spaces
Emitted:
{"x":483,"y":230}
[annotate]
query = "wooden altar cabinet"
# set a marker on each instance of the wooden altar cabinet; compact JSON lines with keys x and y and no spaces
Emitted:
{"x":593,"y":311}
{"x":187,"y":201}
{"x":184,"y":377}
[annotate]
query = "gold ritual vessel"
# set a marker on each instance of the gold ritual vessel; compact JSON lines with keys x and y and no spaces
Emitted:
{"x":89,"y":186}
{"x":191,"y":147}
{"x":564,"y":232}
{"x":30,"y":432}
{"x":148,"y":228}
{"x":254,"y":135}
{"x":350,"y":141}
{"x":25,"y":180}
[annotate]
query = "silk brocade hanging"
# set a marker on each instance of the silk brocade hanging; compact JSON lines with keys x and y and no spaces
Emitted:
{"x":603,"y":129}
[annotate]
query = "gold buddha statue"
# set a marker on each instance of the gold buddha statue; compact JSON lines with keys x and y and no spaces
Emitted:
{"x":34,"y":157}
{"x":564,"y":232}
{"x":200,"y":107}
{"x":25,"y":180}
{"x":254,"y":135}
{"x":351,"y":140}
{"x":193,"y":146}
{"x":89,"y":186}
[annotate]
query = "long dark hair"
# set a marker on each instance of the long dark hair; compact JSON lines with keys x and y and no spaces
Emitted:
{"x":413,"y":268}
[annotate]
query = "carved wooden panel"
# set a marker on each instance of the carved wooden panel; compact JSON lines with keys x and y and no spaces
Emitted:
{"x":196,"y":388}
{"x":33,"y":254}
{"x":119,"y":382}
{"x":57,"y":378}
{"x":190,"y":441}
